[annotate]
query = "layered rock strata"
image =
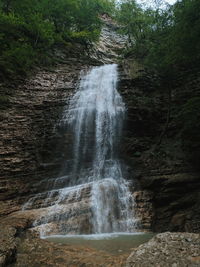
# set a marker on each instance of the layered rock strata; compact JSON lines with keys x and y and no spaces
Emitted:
{"x":166,"y":186}
{"x":34,"y":146}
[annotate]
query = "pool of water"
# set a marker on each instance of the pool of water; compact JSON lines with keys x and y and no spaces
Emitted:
{"x":114,"y":243}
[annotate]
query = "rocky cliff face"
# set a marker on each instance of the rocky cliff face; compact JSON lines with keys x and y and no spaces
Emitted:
{"x":166,"y":185}
{"x":30,"y":145}
{"x":166,"y":190}
{"x":34,"y":146}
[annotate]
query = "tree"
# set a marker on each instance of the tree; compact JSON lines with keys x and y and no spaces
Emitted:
{"x":30,"y":27}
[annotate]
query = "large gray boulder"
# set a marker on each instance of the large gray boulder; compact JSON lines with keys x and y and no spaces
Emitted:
{"x":167,"y":249}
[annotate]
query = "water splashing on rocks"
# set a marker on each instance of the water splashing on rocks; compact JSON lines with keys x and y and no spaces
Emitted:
{"x":94,"y":117}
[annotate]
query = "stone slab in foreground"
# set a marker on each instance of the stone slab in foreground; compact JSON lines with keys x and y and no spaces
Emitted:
{"x":167,"y":249}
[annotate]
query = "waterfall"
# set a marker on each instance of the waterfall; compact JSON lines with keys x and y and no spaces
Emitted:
{"x":94,"y":117}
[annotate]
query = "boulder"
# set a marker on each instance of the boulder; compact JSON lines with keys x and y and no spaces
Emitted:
{"x":167,"y":249}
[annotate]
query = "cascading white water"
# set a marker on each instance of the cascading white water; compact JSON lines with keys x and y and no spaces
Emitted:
{"x":94,"y":117}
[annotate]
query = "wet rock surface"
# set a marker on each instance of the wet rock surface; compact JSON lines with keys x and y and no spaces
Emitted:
{"x":35,"y":252}
{"x":27,"y":249}
{"x":144,"y":209}
{"x":168,"y":249}
{"x":20,"y":248}
{"x":8,"y":245}
{"x":27,"y":134}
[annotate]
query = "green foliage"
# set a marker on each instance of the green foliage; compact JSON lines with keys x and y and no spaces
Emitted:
{"x":167,"y":41}
{"x":15,"y":52}
{"x":19,"y":57}
{"x":30,"y":28}
{"x":41,"y":33}
{"x":84,"y":36}
{"x":107,"y":6}
{"x":163,"y":39}
{"x":131,"y":16}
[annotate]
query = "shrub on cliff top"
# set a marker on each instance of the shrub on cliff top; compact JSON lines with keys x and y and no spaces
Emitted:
{"x":29,"y":28}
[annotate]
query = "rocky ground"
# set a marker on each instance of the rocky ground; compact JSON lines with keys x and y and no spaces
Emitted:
{"x":168,"y":249}
{"x":20,"y":248}
{"x":35,"y":252}
{"x":24,"y":248}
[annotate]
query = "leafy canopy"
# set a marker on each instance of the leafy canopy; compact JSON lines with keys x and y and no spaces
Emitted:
{"x":29,"y":28}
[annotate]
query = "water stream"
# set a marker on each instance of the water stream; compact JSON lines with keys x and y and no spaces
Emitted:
{"x":93,"y":181}
{"x":114,"y":243}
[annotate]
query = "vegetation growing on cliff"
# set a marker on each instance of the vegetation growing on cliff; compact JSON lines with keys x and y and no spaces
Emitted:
{"x":167,"y":42}
{"x":163,"y":38}
{"x":29,"y":29}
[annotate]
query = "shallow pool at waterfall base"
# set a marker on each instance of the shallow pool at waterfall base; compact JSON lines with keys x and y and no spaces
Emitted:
{"x":114,"y":243}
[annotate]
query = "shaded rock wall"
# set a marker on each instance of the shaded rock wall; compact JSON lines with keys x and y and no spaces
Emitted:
{"x":175,"y":200}
{"x":166,"y":186}
{"x":30,"y":146}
